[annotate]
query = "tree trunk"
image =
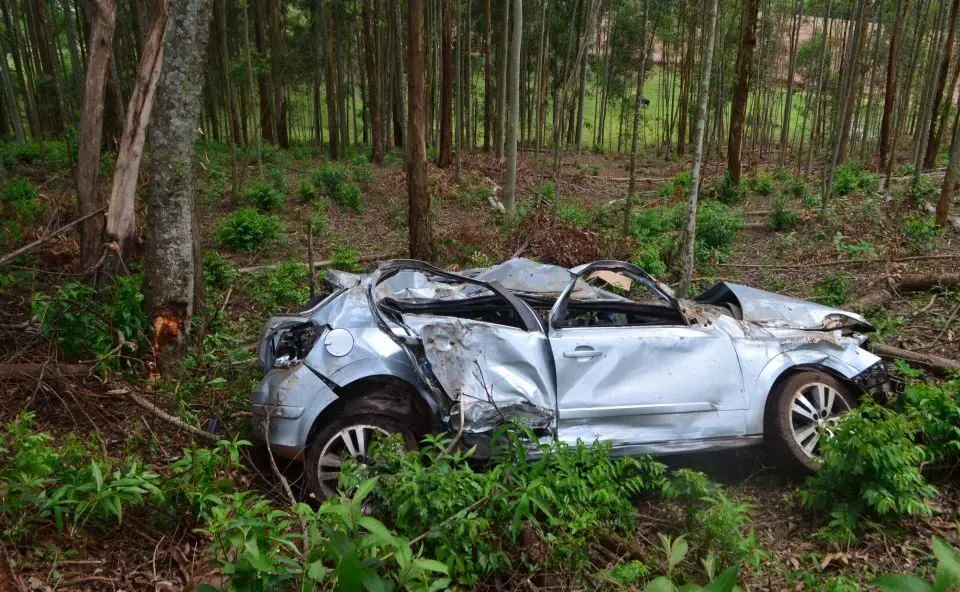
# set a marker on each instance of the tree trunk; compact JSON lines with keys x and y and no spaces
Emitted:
{"x":510,"y":189}
{"x":487,"y":78}
{"x":791,"y":70}
{"x":458,"y":93}
{"x":333,"y":121}
{"x":933,"y":138}
{"x":421,"y":239}
{"x":502,"y":102}
{"x":236,"y":133}
{"x":446,"y":85}
{"x":248,"y":58}
{"x":890,"y":90}
{"x":690,"y":225}
{"x":949,"y":180}
{"x":171,"y":256}
{"x":121,"y":216}
{"x":373,"y":94}
{"x":76,"y":65}
{"x":91,"y":130}
{"x":741,"y":91}
{"x":276,"y":73}
{"x":10,"y":99}
{"x":637,"y":106}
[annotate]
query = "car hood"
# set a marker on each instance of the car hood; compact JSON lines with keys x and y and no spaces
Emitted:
{"x":773,"y":310}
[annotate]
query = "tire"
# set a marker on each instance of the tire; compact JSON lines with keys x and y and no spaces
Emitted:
{"x":343,"y":437}
{"x":801,"y":413}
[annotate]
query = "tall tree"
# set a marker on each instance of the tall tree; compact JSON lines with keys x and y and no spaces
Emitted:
{"x":446,"y":85}
{"x":373,"y":86}
{"x":890,"y":89}
{"x":637,"y":106}
{"x":950,"y":179}
{"x":333,"y":121}
{"x":171,"y":254}
{"x":796,"y":23}
{"x":510,"y":189}
{"x":690,"y":224}
{"x":933,"y":138}
{"x":741,"y":91}
{"x":421,"y":236}
{"x":10,"y":99}
{"x":91,"y":129}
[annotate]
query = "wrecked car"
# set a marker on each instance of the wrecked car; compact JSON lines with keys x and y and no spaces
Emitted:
{"x":601,"y":352}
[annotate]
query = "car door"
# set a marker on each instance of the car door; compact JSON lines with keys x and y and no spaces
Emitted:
{"x":631,"y":370}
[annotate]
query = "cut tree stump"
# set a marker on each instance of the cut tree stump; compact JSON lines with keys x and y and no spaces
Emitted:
{"x":926,"y":360}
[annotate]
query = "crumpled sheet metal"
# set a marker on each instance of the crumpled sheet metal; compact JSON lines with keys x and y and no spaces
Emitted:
{"x":498,"y":374}
{"x":776,"y":310}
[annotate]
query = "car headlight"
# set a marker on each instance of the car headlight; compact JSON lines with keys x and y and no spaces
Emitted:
{"x":288,"y":346}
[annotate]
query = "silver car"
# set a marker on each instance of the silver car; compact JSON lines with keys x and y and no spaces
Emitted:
{"x":602,"y":352}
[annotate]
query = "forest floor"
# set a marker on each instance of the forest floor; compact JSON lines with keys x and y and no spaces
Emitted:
{"x":865,"y":238}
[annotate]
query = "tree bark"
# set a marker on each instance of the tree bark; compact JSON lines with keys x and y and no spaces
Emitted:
{"x":91,"y":130}
{"x":791,"y":70}
{"x":333,"y":121}
{"x":487,"y":78}
{"x":10,"y":99}
{"x":637,"y":105}
{"x":741,"y":91}
{"x":502,"y":98}
{"x":421,"y":239}
{"x":890,"y":89}
{"x":690,"y":225}
{"x":949,"y":180}
{"x":446,"y":85}
{"x":121,"y":216}
{"x":370,"y":51}
{"x":933,"y":144}
{"x":171,"y":256}
{"x":510,"y":189}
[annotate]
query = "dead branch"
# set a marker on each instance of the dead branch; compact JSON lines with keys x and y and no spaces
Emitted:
{"x":836,"y":262}
{"x":620,"y":544}
{"x":40,"y":241}
{"x":916,"y":282}
{"x":926,"y":360}
{"x":34,"y":371}
{"x":161,"y":414}
{"x":316,"y":264}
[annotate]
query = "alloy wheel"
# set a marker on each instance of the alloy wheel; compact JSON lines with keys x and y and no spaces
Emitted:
{"x":814,"y":410}
{"x":352,"y":441}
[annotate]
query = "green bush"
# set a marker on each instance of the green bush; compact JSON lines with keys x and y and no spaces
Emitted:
{"x":683,"y":180}
{"x":650,"y":258}
{"x":849,"y":178}
{"x":265,"y":196}
{"x":218,"y":270}
{"x":935,"y":411}
{"x":84,"y":323}
{"x":306,"y":191}
{"x":29,"y":153}
{"x":362,"y":169}
{"x":717,"y":227}
{"x":653,"y":221}
{"x":834,"y":289}
{"x":727,"y":192}
{"x":573,"y":214}
{"x":329,"y":179}
{"x":922,"y":233}
{"x":871,"y":466}
{"x":247,"y":230}
{"x":547,"y":191}
{"x":946,"y":576}
{"x":762,"y":183}
{"x":782,"y":216}
{"x":862,"y":249}
{"x":351,"y":197}
{"x":345,"y":257}
{"x":283,"y":287}
{"x":667,"y":190}
{"x":19,"y":190}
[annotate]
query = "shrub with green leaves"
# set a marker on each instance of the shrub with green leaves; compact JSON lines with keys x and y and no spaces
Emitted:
{"x":306,"y":191}
{"x":19,"y":190}
{"x":19,"y":206}
{"x":717,"y":227}
{"x":362,"y":169}
{"x":283,"y":287}
{"x":351,"y":197}
{"x":247,"y":230}
{"x":573,"y":214}
{"x":871,"y":466}
{"x":345,"y":257}
{"x":834,"y":288}
{"x":218,"y":270}
{"x":265,"y":196}
{"x":850,"y":178}
{"x":547,"y":191}
{"x":946,"y":575}
{"x":782,"y":216}
{"x":922,"y":233}
{"x":935,"y":411}
{"x":762,"y":183}
{"x":860,"y":250}
{"x":727,"y":192}
{"x":329,"y":179}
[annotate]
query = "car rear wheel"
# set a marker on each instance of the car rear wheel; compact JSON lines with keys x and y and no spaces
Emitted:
{"x":807,"y":407}
{"x":349,"y":437}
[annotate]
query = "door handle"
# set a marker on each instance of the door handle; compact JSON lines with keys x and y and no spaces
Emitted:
{"x":584,"y":353}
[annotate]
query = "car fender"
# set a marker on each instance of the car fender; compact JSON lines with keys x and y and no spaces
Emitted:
{"x":847,"y":362}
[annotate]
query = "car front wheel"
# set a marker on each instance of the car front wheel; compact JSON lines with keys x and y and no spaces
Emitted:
{"x":807,"y":407}
{"x":349,"y":437}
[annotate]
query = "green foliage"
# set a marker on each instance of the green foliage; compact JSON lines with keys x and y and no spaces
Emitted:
{"x":214,"y":183}
{"x":573,"y":214}
{"x":283,"y":287}
{"x":306,"y":191}
{"x":922,"y":233}
{"x":561,"y":497}
{"x":218,"y":270}
{"x":860,"y":250}
{"x":247,"y":230}
{"x":935,"y":411}
{"x":922,"y":189}
{"x":834,"y":288}
{"x":871,"y":465}
{"x":717,"y":227}
{"x":476,"y":195}
{"x":19,"y":190}
{"x":548,"y":191}
{"x":30,"y":153}
{"x":84,"y":323}
{"x":762,"y":183}
{"x":329,"y":179}
{"x":946,"y":578}
{"x":683,"y":180}
{"x":782,"y":216}
{"x":351,"y":197}
{"x":727,"y":192}
{"x":850,"y":178}
{"x":649,"y":256}
{"x":19,"y":207}
{"x":277,"y":179}
{"x":345,"y":257}
{"x":362,"y":169}
{"x":265,"y":196}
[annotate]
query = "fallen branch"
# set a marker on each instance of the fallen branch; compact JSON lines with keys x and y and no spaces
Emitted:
{"x":836,"y":262}
{"x":620,"y":544}
{"x":47,"y":237}
{"x":926,"y":360}
{"x":161,"y":414}
{"x":36,"y":370}
{"x":917,"y":282}
{"x":316,"y":264}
